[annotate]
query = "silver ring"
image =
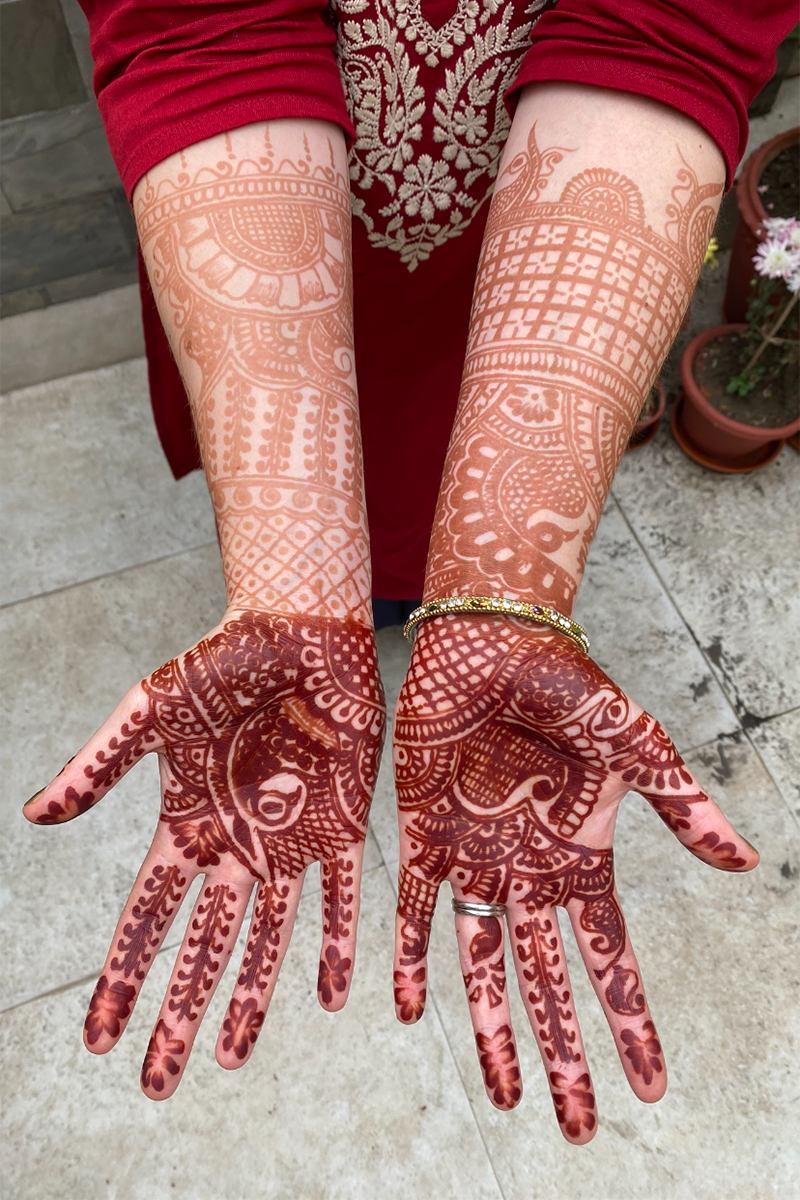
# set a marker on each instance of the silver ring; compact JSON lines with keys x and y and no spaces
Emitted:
{"x":468,"y":908}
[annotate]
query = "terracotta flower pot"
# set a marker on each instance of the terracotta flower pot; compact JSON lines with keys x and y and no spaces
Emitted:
{"x":750,"y":230}
{"x":645,"y":430}
{"x":709,"y":437}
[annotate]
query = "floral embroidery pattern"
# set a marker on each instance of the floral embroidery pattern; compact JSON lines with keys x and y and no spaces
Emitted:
{"x":409,"y":85}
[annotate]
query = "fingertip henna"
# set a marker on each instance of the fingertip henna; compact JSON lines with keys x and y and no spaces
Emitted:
{"x":334,"y":976}
{"x":497,"y":1055}
{"x":574,"y":1103}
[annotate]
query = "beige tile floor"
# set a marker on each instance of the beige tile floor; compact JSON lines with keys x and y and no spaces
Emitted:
{"x":692,"y":599}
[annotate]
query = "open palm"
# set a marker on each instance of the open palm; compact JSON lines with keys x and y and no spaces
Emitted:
{"x":512,"y":753}
{"x":269,"y":734}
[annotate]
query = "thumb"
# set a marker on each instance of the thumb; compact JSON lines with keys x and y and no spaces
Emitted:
{"x":654,"y":768}
{"x":119,"y":743}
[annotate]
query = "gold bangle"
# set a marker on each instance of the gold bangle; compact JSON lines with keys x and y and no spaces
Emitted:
{"x":491,"y":604}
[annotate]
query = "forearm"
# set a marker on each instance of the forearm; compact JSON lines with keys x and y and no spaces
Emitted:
{"x":597,"y":231}
{"x":246,"y":237}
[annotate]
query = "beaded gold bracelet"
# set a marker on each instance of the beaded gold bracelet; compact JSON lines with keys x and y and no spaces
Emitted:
{"x":492,"y":604}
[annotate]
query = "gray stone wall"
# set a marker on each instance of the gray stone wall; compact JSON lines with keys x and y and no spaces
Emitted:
{"x":67,"y":231}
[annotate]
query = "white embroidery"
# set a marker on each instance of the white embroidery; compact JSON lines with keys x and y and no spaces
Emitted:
{"x":384,"y":49}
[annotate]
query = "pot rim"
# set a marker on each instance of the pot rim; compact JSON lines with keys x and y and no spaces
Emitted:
{"x":691,"y":388}
{"x":658,"y":414}
{"x":748,"y":199}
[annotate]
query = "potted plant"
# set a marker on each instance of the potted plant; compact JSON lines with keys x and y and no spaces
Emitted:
{"x":767,"y":187}
{"x":646,"y":426}
{"x":740,"y":397}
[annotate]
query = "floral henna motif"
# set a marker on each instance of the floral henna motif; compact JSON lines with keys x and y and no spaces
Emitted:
{"x":109,"y":1007}
{"x":574,"y":1103}
{"x":410,"y":993}
{"x":333,"y":971}
{"x":242,"y":1026}
{"x":576,"y":304}
{"x":498,"y":1058}
{"x":644,"y":1052}
{"x":163,"y":1055}
{"x":250,"y":261}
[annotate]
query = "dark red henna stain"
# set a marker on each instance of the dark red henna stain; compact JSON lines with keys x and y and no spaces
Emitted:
{"x":110,"y":1005}
{"x":574,"y":1104}
{"x":261,"y":952}
{"x":202,"y":960}
{"x":538,"y":944}
{"x":143,"y":933}
{"x":332,"y":973}
{"x":498,"y":1058}
{"x":725,"y":854}
{"x":644,"y":1052}
{"x":162,"y":1057}
{"x":337,"y":882}
{"x":241,"y":1026}
{"x":409,"y":994}
{"x":137,"y":740}
{"x":487,"y":978}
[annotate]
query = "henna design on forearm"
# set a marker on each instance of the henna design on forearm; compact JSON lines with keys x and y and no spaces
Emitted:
{"x":250,"y":263}
{"x":576,"y":304}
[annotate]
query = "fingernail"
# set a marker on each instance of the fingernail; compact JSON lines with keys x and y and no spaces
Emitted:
{"x":36,"y":797}
{"x":750,"y":844}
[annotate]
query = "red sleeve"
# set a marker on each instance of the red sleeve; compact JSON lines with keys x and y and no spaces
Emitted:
{"x":706,"y":58}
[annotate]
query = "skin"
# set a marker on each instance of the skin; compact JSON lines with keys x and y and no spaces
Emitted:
{"x":512,"y":749}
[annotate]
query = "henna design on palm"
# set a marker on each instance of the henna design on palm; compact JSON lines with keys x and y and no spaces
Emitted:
{"x":269,"y":735}
{"x":512,"y":753}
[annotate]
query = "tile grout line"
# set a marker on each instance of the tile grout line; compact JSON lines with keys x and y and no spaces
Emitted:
{"x":742,"y":730}
{"x":68,"y":587}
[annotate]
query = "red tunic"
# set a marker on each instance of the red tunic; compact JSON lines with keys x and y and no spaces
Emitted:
{"x":421,"y":88}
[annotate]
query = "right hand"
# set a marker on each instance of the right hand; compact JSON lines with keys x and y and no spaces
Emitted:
{"x":269,"y":734}
{"x":513,"y":752}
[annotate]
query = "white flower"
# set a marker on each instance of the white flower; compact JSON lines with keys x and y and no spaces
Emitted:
{"x":794,"y":237}
{"x":775,"y":260}
{"x":778,"y":224}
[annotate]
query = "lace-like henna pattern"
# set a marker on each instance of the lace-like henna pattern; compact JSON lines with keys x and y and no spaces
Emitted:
{"x":577,"y":302}
{"x":251,"y":260}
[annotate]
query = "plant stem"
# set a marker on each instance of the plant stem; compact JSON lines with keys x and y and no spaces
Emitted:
{"x":769,"y":336}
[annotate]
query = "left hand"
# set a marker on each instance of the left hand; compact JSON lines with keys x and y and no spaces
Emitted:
{"x":512,"y":753}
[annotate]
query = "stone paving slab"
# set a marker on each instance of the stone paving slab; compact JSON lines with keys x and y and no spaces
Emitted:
{"x":727,"y":548}
{"x":719,"y":961}
{"x":86,"y":449}
{"x":329,"y":1107}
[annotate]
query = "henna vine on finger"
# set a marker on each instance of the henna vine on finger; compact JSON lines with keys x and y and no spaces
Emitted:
{"x":143,"y":934}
